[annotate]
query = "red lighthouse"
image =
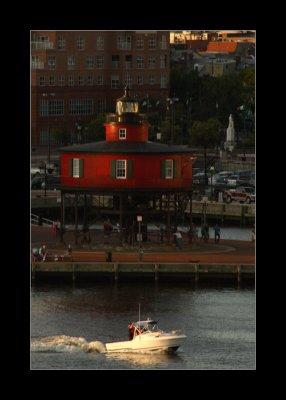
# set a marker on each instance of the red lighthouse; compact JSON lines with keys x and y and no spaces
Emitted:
{"x":128,"y":167}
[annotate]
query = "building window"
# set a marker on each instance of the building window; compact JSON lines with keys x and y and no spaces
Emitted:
{"x":140,"y":62}
{"x":89,"y":80}
{"x":152,"y":80}
{"x":114,"y":81}
{"x":99,"y":62}
{"x":41,"y":81}
{"x":81,"y":107}
{"x":152,"y":62}
{"x":89,"y":62}
{"x":115,"y":61}
{"x":80,"y":42}
{"x":152,"y":42}
{"x":124,"y":43}
{"x":52,"y":80}
{"x":100,"y":43}
{"x":81,"y":80}
{"x":128,"y":62}
{"x":51,"y":107}
{"x":169,"y":169}
{"x":71,"y":80}
{"x":163,"y":82}
{"x":61,"y":42}
{"x":61,"y":80}
{"x":52,"y":62}
{"x":140,"y":43}
{"x":76,"y":167}
{"x":140,"y":80}
{"x":163,"y":42}
{"x":44,"y":136}
{"x":128,"y":80}
{"x":101,"y":105}
{"x":121,"y":169}
{"x":71,"y":62}
{"x":100,"y":80}
{"x":163,"y":61}
{"x":122,"y":133}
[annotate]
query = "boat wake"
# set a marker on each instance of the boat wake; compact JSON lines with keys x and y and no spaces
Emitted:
{"x":63,"y":343}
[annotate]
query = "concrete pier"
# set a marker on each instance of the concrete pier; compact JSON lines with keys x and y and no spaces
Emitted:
{"x":75,"y":271}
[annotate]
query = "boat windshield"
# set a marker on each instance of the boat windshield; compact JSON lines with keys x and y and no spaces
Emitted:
{"x":146,"y":325}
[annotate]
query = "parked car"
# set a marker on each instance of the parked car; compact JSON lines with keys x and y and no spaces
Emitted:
{"x":199,"y":178}
{"x":51,"y":183}
{"x":242,"y":194}
{"x":36,"y":182}
{"x":222,"y":174}
{"x":240,"y":178}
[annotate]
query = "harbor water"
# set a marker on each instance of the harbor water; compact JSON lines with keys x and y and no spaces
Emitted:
{"x":70,"y":325}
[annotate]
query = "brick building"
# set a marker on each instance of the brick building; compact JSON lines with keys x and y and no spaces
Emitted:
{"x":77,"y":74}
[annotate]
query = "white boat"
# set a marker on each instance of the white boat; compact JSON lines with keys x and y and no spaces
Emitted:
{"x":146,"y":337}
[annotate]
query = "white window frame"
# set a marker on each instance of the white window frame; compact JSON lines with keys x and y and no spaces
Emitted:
{"x":52,"y":62}
{"x":169,"y":169}
{"x":75,"y":167}
{"x":122,"y":133}
{"x":140,"y":80}
{"x":152,"y":62}
{"x":61,"y":42}
{"x":52,"y":80}
{"x":89,"y":62}
{"x":71,"y":61}
{"x":80,"y":80}
{"x":100,"y":80}
{"x":152,"y":80}
{"x":89,"y":80}
{"x":114,"y":82}
{"x":42,"y":81}
{"x":61,"y":80}
{"x":121,"y":168}
{"x":80,"y":43}
{"x":100,"y":43}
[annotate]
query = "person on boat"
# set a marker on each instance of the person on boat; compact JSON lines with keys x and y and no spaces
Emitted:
{"x":131,"y":329}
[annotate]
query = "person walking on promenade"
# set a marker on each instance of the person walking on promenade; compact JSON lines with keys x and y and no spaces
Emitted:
{"x":207,"y":235}
{"x":177,"y":239}
{"x":162,"y":231}
{"x":217,"y":233}
{"x":69,"y":251}
{"x":203,"y":232}
{"x":253,"y":235}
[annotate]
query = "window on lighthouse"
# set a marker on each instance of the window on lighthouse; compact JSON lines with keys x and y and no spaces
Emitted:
{"x":122,"y":133}
{"x":121,"y":169}
{"x":169,"y":169}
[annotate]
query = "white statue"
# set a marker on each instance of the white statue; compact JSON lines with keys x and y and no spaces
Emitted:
{"x":230,"y":135}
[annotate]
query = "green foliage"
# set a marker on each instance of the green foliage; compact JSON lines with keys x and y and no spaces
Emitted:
{"x":94,"y":129}
{"x":61,"y":135}
{"x":205,"y":133}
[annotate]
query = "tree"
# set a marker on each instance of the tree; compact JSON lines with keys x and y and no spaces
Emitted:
{"x":205,"y":134}
{"x":94,"y":129}
{"x":61,"y":135}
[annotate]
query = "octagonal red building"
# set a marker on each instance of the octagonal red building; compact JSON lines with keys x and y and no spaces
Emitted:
{"x":126,"y":163}
{"x":126,"y":159}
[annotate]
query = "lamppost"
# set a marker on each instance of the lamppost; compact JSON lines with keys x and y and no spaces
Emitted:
{"x":212,"y":171}
{"x":79,"y":132}
{"x":49,"y":139}
{"x":49,"y":133}
{"x":139,"y":220}
{"x":171,"y":101}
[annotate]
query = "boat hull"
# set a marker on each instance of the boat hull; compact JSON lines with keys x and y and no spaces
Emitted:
{"x":152,"y":343}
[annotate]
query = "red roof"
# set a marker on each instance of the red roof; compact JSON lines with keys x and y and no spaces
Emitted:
{"x":222,"y":47}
